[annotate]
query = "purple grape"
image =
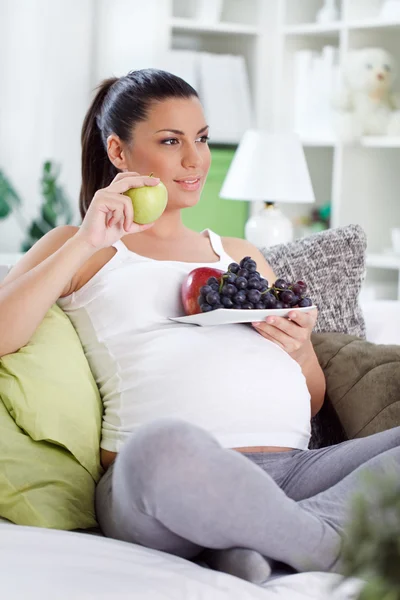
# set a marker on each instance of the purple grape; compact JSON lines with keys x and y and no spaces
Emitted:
{"x":254,"y":283}
{"x":296,"y":289}
{"x":269,"y":300}
{"x":302,"y":286}
{"x":253,"y":296}
{"x":278,"y":304}
{"x":213,"y":298}
{"x":240,"y":297}
{"x":215,"y":287}
{"x":205,"y":289}
{"x":229,"y":277}
{"x":244,"y":261}
{"x":285,"y":305}
{"x":259,"y":305}
{"x":200,"y":300}
{"x":212,"y":280}
{"x":286,"y":297}
{"x":216,"y":306}
{"x":241,"y":283}
{"x":281,"y":284}
{"x":205,"y":307}
{"x":295,"y":301}
{"x":247,"y":305}
{"x":237,"y":306}
{"x":304,"y":302}
{"x":243,"y":273}
{"x":227,"y":302}
{"x":233,"y":267}
{"x":228,"y":289}
{"x":251,"y":266}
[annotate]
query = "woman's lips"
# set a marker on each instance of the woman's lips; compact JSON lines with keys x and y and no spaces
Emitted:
{"x":190,"y":185}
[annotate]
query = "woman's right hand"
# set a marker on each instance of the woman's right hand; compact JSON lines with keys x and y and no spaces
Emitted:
{"x":110,"y":214}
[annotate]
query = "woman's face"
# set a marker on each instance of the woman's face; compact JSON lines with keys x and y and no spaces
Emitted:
{"x":172,"y":144}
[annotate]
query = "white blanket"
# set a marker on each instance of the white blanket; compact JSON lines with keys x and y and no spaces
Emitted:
{"x":42,"y":564}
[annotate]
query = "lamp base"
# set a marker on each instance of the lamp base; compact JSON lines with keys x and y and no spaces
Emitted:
{"x":269,"y":228}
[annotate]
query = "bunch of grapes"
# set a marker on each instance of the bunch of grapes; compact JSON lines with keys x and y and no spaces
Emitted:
{"x":243,"y":287}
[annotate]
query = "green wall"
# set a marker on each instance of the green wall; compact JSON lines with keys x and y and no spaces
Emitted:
{"x":225,"y":217}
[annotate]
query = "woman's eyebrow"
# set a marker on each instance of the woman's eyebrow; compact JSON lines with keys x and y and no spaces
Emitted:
{"x":181,"y":132}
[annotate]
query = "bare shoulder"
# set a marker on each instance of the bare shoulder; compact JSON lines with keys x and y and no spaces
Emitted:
{"x":44,"y":247}
{"x":239,"y":248}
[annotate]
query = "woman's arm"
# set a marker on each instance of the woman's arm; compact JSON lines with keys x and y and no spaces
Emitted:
{"x":238,"y":249}
{"x":315,"y":378}
{"x":292,"y":336}
{"x":41,"y":276}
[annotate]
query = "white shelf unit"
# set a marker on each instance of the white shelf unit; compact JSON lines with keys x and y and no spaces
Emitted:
{"x":362,"y":180}
{"x":246,"y":28}
{"x":186,"y":24}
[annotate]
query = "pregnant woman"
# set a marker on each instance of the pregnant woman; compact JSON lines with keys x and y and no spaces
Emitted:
{"x":205,"y":430}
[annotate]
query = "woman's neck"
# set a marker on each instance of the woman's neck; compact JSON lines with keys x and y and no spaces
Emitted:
{"x":168,"y":227}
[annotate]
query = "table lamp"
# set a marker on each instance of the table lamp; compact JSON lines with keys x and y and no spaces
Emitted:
{"x":268,"y":167}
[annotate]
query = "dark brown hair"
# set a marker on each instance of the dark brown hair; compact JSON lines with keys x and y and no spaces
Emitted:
{"x":117,"y":106}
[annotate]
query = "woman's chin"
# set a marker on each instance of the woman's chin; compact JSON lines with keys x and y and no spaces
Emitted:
{"x":188,"y":200}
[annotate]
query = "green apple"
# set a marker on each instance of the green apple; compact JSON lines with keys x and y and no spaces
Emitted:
{"x":149,"y":202}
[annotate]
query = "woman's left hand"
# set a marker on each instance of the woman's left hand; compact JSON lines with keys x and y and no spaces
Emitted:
{"x":293,"y":335}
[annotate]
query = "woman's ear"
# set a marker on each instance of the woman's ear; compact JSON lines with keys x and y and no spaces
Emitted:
{"x":116,"y":153}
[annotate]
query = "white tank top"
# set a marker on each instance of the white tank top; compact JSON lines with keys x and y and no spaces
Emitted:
{"x":228,"y":379}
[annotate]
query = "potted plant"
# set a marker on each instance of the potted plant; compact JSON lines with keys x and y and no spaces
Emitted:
{"x":55,"y":209}
{"x":372,"y":547}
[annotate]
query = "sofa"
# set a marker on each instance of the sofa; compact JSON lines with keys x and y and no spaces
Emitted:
{"x":37,"y":541}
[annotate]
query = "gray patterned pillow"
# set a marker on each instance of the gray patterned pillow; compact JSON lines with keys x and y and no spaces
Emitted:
{"x":332,"y":263}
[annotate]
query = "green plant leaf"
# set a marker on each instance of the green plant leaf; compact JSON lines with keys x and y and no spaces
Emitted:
{"x":9,"y":198}
{"x":55,"y":209}
{"x":49,"y":215}
{"x":5,"y":208}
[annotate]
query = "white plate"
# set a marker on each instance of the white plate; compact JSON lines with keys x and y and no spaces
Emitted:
{"x":225,"y":316}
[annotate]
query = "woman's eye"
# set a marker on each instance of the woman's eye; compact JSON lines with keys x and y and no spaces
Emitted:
{"x":167,"y":142}
{"x":204,"y":139}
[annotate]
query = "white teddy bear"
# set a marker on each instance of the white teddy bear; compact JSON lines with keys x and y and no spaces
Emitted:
{"x":367,"y":103}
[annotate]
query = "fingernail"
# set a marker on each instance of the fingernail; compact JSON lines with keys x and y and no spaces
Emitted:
{"x":270,"y":320}
{"x":292,"y":316}
{"x":256,"y":324}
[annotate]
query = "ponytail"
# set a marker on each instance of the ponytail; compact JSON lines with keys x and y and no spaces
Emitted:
{"x":97,"y":169}
{"x":118,"y":106}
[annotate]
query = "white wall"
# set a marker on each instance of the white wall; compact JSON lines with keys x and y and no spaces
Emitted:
{"x":130,"y":34}
{"x":53,"y":54}
{"x":45,"y":78}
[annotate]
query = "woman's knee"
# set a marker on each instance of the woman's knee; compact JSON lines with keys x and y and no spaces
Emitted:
{"x":164,"y":444}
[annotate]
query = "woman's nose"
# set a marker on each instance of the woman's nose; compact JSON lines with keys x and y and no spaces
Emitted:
{"x":191,"y":157}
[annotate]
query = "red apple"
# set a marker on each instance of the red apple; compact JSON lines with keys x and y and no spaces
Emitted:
{"x":191,"y":287}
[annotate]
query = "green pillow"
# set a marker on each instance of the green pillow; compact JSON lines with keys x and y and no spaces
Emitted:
{"x":42,"y":485}
{"x":50,"y":392}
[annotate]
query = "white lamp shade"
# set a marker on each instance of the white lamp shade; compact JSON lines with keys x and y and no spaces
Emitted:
{"x":270,"y":167}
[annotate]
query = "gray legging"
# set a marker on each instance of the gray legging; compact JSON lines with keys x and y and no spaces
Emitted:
{"x":174,"y":488}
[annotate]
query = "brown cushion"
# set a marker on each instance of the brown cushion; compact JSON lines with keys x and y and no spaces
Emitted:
{"x":363,"y":382}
